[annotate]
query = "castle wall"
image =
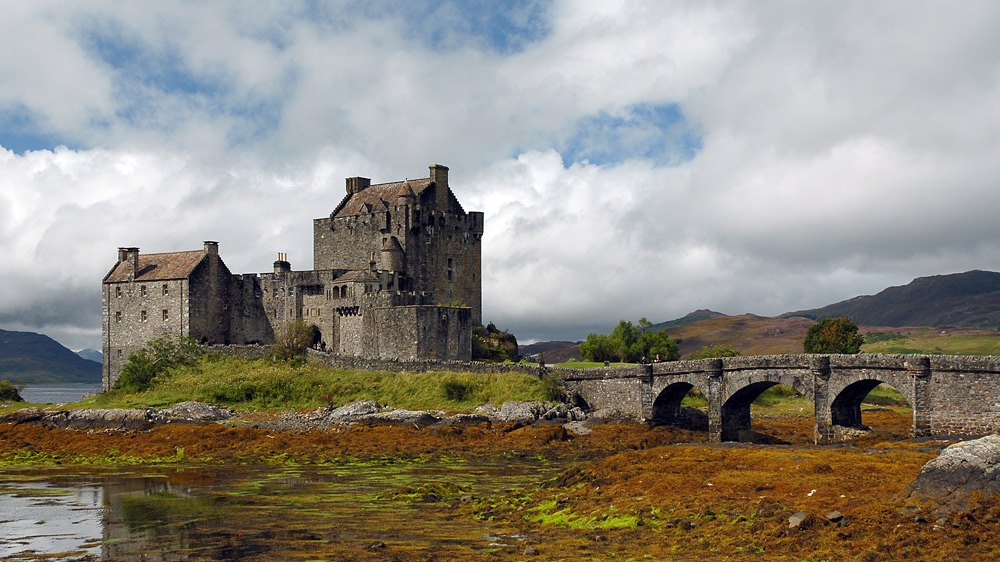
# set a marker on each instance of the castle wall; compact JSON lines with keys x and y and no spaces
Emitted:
{"x":137,"y":312}
{"x":209,"y":307}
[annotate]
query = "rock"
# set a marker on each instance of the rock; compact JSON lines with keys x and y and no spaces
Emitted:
{"x":377,"y":545}
{"x":960,"y":474}
{"x":799,"y":520}
{"x":359,"y":408}
{"x":834,"y":516}
{"x":402,"y":417}
{"x":530,"y":551}
{"x":198,"y":411}
{"x":521,"y":412}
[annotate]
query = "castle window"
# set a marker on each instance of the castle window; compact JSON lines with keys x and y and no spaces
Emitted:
{"x":449,"y":275}
{"x":166,"y":315}
{"x":118,"y":316}
{"x":119,"y":353}
{"x":142,"y":316}
{"x":275,"y":293}
{"x":118,"y":292}
{"x":343,"y":292}
{"x":142,"y":290}
{"x":165,"y":289}
{"x":291,"y":291}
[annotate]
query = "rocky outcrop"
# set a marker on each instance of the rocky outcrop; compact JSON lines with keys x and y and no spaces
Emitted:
{"x":119,"y":419}
{"x":961,"y":475}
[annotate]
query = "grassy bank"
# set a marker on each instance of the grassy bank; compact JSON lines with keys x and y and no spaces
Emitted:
{"x":263,"y":383}
{"x":932,"y":341}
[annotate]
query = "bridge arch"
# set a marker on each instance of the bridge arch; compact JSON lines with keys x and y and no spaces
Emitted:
{"x":849,"y":389}
{"x":667,"y":408}
{"x":746,"y":383}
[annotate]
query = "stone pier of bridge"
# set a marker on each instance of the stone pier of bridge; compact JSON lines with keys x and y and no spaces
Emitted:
{"x":949,"y":395}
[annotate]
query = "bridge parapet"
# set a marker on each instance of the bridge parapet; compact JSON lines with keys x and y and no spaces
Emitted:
{"x":949,"y":394}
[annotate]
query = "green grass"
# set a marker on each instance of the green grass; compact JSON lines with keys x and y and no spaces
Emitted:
{"x":933,"y":344}
{"x":263,"y":383}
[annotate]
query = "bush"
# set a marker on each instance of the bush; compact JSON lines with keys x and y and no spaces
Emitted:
{"x":293,"y":339}
{"x":156,"y":358}
{"x":11,"y":391}
{"x":492,"y":344}
{"x":833,"y":335}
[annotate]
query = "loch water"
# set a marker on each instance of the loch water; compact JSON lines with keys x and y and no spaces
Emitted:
{"x":335,"y":512}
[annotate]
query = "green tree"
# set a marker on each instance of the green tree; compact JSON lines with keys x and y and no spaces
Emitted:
{"x":630,"y":343}
{"x":596,"y":347}
{"x":715,"y":351}
{"x":833,"y":335}
{"x":292,"y":340}
{"x":157,"y":357}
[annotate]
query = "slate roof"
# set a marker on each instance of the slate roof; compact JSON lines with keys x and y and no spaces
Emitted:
{"x":159,"y":267}
{"x":384,"y":194}
{"x":356,"y":276}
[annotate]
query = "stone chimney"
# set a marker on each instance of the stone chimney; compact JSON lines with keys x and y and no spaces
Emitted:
{"x":130,"y":257}
{"x":211,"y":248}
{"x":439,"y":175}
{"x":281,"y":265}
{"x":357,"y":185}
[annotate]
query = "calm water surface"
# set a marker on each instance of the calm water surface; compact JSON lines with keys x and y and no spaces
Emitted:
{"x":233,"y":512}
{"x":57,"y":393}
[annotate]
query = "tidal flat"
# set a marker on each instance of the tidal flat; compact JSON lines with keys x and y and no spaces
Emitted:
{"x":479,"y":492}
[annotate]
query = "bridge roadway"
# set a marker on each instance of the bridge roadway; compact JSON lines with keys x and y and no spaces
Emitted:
{"x":950,"y":395}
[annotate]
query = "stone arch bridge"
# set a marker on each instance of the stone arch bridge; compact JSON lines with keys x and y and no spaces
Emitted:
{"x":949,"y":395}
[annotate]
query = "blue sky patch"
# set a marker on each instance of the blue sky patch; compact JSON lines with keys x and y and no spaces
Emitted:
{"x":656,"y":132}
{"x":502,"y":27}
{"x":20,"y":132}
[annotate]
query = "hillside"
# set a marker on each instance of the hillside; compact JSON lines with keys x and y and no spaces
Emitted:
{"x":970,"y":300}
{"x":35,"y":358}
{"x":689,"y":318}
{"x":752,"y":335}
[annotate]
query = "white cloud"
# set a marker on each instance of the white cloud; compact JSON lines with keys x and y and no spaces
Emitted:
{"x":844,"y":146}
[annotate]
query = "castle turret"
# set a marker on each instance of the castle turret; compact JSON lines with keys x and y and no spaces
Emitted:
{"x":439,"y":176}
{"x":392,"y":254}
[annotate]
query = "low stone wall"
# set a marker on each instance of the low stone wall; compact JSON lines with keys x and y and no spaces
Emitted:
{"x":419,"y":366}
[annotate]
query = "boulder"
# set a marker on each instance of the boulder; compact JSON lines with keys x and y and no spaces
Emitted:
{"x":198,"y":411}
{"x":961,"y":474}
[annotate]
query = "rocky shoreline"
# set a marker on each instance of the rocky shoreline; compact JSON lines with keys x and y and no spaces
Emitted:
{"x":367,"y":412}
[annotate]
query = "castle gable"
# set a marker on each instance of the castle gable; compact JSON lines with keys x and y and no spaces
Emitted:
{"x":158,"y":267}
{"x":373,"y":196}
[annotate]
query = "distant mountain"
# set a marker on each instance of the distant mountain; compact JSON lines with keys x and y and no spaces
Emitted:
{"x":970,"y":300}
{"x":91,"y":355}
{"x":691,"y":317}
{"x":35,"y":358}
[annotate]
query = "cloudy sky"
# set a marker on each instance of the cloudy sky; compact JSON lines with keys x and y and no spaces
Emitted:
{"x":632,"y":158}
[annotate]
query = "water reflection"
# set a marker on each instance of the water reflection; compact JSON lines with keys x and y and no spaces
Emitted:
{"x":227,"y":513}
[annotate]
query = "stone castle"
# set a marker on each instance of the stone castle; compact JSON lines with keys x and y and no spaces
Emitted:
{"x":396,"y":275}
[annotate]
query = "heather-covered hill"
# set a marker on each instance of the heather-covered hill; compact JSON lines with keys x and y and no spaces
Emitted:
{"x":968,"y":300}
